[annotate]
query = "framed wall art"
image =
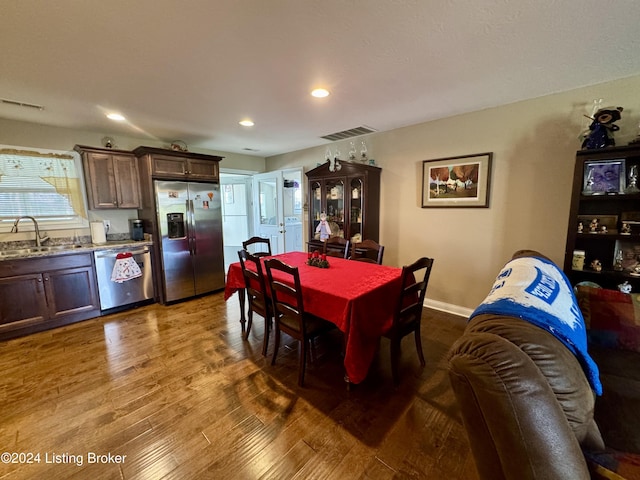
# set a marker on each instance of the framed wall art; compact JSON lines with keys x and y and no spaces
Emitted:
{"x":604,"y":177}
{"x":457,"y":181}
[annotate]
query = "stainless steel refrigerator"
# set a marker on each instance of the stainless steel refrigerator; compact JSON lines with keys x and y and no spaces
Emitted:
{"x":189,"y":220}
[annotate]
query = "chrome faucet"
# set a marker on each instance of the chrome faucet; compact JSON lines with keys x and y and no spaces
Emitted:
{"x":39,"y":239}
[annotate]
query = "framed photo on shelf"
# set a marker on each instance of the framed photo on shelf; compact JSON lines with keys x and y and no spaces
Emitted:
{"x":457,"y":181}
{"x":598,"y":224}
{"x":604,"y":177}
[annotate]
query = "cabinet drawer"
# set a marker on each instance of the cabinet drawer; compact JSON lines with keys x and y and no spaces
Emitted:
{"x":26,"y":266}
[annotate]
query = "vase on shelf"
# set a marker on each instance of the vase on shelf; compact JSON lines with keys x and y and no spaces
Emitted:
{"x":632,"y":187}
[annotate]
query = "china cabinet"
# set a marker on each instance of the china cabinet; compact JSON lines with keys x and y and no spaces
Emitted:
{"x":111,"y":177}
{"x":350,"y":199}
{"x":603,"y":235}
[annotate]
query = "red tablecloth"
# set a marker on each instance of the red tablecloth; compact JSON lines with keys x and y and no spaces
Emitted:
{"x":358,"y":297}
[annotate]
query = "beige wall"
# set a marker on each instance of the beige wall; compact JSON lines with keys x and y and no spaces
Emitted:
{"x":533,"y":144}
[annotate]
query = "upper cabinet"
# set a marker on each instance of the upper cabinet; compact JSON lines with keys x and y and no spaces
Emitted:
{"x":604,"y":220}
{"x":111,"y":177}
{"x":350,"y":198}
{"x":170,"y":164}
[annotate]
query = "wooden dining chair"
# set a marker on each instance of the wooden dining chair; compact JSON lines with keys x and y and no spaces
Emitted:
{"x":408,"y":313}
{"x":336,"y":247}
{"x":261,"y":247}
{"x":367,"y":251}
{"x":259,"y":300}
{"x":289,"y":313}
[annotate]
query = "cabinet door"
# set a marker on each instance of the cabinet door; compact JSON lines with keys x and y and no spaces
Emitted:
{"x":203,"y":169}
{"x":315,"y":206}
{"x":169,"y":166}
{"x":356,"y":214}
{"x":101,"y":187}
{"x":22,"y":301}
{"x":334,"y":199}
{"x":70,"y":291}
{"x":125,"y":171}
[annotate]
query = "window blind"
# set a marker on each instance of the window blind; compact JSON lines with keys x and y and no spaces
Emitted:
{"x":45,"y":184}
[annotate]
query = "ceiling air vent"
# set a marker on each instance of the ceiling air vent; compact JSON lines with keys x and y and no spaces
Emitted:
{"x":21,"y":104}
{"x":352,"y":132}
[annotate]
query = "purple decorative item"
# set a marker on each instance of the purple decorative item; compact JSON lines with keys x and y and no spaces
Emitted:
{"x":600,"y":133}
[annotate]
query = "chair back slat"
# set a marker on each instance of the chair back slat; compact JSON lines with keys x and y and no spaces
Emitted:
{"x":414,"y":278}
{"x":367,"y":251}
{"x":286,"y":293}
{"x":254,"y":280}
{"x":261,"y":247}
{"x":336,"y":247}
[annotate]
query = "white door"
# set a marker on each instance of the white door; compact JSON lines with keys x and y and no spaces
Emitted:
{"x":237,"y":217}
{"x":269,"y":209}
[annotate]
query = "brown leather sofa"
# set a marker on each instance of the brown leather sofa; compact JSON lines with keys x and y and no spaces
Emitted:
{"x":525,"y":401}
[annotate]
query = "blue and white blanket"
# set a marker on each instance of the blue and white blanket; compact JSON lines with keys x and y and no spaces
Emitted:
{"x":536,"y":290}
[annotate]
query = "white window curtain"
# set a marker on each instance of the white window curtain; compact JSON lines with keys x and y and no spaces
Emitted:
{"x":44,"y":184}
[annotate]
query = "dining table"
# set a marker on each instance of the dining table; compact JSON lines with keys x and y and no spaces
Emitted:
{"x":358,"y":297}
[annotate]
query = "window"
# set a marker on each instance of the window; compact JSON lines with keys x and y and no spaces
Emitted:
{"x":44,"y":184}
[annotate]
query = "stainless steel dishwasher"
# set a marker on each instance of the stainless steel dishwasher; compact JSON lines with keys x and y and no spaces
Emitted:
{"x":135,"y":290}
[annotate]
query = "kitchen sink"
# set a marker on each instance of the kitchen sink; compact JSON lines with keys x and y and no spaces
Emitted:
{"x":27,"y":250}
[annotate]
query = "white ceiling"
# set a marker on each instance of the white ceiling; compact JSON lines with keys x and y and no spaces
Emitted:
{"x":192,"y":69}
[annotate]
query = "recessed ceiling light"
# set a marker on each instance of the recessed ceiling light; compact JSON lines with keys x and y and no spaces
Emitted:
{"x":115,"y":116}
{"x":320,"y":92}
{"x":247,"y":123}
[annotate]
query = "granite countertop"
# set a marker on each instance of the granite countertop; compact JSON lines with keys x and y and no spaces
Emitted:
{"x":32,"y":251}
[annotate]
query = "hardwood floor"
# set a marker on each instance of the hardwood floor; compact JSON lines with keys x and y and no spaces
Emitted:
{"x":177,"y":393}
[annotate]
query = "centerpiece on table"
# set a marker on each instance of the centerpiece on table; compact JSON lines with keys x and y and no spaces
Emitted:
{"x":316,"y":259}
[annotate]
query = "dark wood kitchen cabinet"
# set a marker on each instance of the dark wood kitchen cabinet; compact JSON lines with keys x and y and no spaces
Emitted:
{"x":41,"y":293}
{"x":171,"y":165}
{"x":111,"y":177}
{"x":350,"y":198}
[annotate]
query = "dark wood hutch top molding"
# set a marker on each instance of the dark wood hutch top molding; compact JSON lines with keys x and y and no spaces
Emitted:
{"x":142,"y":150}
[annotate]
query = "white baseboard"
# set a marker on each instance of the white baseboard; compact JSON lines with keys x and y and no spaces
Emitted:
{"x":448,"y":307}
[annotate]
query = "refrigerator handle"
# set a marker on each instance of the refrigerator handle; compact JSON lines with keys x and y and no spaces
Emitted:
{"x":192,"y":234}
{"x":189,"y":225}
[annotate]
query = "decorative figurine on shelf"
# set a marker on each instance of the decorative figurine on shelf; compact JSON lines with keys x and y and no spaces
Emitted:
{"x":596,"y":265}
{"x":600,"y":133}
{"x":323,"y":227}
{"x":593,"y":226}
{"x":603,"y":229}
{"x":617,"y":262}
{"x":580,"y":227}
{"x":625,"y":287}
{"x":352,"y":152}
{"x":625,"y":229}
{"x":632,"y":186}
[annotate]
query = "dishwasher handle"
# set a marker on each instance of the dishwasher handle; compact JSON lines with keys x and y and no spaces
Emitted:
{"x":114,"y":253}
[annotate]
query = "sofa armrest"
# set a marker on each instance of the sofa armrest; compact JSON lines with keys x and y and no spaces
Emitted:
{"x":516,"y":427}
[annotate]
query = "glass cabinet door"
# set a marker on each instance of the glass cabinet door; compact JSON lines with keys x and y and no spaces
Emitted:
{"x":334,"y":196}
{"x":315,"y":205}
{"x":356,"y":204}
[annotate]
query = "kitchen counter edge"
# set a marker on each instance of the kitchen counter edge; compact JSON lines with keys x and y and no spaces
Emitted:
{"x":90,"y":247}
